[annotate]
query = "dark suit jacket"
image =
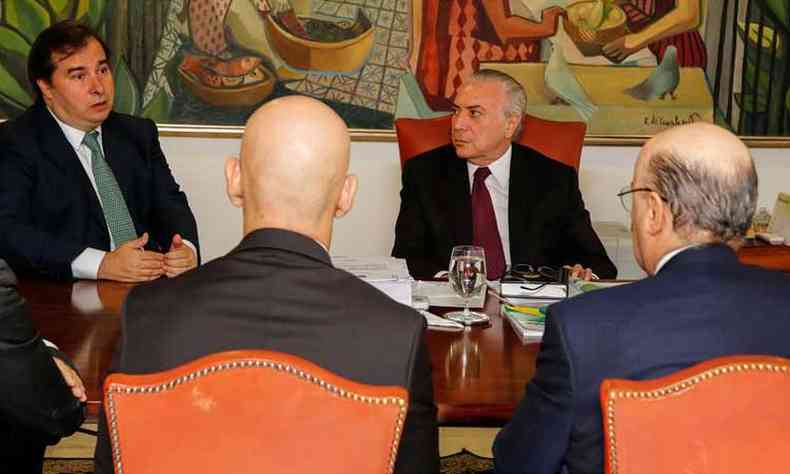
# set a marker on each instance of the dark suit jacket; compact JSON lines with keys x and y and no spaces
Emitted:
{"x":702,"y":304}
{"x":279,"y":291}
{"x":36,"y":405}
{"x":548,"y":222}
{"x":49,"y":211}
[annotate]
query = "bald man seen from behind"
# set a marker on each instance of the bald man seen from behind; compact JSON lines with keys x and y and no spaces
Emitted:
{"x":691,"y":201}
{"x":277,"y":290}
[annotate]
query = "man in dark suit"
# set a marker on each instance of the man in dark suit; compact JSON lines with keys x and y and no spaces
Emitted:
{"x":84,"y":190}
{"x":691,"y":201}
{"x":524,"y":209}
{"x":278,"y":289}
{"x":40,"y":394}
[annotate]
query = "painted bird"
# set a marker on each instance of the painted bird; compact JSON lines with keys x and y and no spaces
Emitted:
{"x":663,"y":81}
{"x":561,"y":81}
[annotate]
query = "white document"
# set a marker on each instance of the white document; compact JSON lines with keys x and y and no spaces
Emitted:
{"x":373,"y":268}
{"x":440,"y":293}
{"x":437,"y":322}
{"x":390,"y":275}
{"x":533,"y":290}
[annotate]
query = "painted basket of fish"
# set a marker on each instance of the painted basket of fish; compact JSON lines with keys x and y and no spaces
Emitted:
{"x":593,"y":23}
{"x":313,"y":44}
{"x":238,"y":82}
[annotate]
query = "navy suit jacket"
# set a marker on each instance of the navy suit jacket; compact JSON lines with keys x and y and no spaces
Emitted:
{"x":49,"y":211}
{"x":548,"y":222}
{"x":702,"y":304}
{"x":279,"y":291}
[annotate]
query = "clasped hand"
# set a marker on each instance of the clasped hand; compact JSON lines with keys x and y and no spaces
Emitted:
{"x":130,"y":262}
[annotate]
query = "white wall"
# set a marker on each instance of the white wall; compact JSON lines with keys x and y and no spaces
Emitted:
{"x":368,"y":229}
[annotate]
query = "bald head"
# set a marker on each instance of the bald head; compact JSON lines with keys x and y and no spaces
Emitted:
{"x":707,"y":177}
{"x":293,"y":168}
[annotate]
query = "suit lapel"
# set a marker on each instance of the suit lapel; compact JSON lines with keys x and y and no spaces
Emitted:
{"x":458,"y":210}
{"x":59,"y":151}
{"x":523,"y":190}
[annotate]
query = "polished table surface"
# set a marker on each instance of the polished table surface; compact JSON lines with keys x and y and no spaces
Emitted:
{"x":478,"y":375}
{"x":755,"y":252}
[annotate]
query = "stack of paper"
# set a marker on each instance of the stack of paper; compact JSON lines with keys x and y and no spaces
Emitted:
{"x":533,"y":289}
{"x":440,"y":293}
{"x":390,"y":275}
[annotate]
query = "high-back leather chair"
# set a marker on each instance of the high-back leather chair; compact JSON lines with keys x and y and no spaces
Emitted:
{"x":561,"y":141}
{"x":252,"y":412}
{"x":727,"y":415}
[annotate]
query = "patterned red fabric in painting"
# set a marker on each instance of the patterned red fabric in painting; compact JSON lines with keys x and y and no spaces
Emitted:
{"x":457,"y":36}
{"x":689,"y":45}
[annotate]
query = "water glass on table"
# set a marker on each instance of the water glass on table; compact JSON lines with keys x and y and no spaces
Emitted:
{"x":467,"y":275}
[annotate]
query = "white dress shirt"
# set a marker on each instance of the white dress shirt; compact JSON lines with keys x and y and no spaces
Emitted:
{"x":498,"y":185}
{"x":86,"y":265}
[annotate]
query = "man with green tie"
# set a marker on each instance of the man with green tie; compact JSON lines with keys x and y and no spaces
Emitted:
{"x":86,"y":192}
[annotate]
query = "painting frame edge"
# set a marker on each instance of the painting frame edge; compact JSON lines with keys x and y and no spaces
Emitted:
{"x":389,"y":136}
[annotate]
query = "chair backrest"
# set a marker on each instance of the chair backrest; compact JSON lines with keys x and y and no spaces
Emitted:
{"x":726,"y":415}
{"x":561,"y":141}
{"x":252,"y":412}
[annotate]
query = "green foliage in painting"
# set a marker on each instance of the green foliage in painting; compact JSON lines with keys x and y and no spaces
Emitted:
{"x":780,"y":9}
{"x":13,"y":68}
{"x":96,"y":9}
{"x":158,"y":109}
{"x":27,"y":17}
{"x":127,"y":93}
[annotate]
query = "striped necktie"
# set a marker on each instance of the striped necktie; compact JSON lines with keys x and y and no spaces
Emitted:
{"x":113,"y":204}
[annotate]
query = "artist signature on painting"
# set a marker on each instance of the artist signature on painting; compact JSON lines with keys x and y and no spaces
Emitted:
{"x":662,"y":121}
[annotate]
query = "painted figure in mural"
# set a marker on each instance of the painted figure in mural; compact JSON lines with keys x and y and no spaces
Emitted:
{"x":456,"y":36}
{"x":659,"y":24}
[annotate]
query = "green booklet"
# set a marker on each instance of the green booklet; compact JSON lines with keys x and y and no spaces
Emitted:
{"x":578,"y":286}
{"x":527,"y":321}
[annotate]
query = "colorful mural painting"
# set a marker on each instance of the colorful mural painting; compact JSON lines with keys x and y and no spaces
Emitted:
{"x":626,"y":67}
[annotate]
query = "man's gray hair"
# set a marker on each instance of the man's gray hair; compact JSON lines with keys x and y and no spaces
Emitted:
{"x":517,"y":99}
{"x":717,"y":202}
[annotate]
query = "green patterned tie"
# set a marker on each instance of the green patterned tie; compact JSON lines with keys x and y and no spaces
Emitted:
{"x":114,"y":206}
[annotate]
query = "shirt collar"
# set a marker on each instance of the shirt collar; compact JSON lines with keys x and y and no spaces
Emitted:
{"x":668,"y":256}
{"x":500,"y":168}
{"x":73,"y":135}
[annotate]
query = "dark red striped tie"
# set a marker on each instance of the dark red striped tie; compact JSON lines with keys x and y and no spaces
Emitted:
{"x":486,"y":232}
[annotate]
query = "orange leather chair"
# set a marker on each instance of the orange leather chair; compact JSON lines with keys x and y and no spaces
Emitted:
{"x":252,"y":412}
{"x":727,"y":415}
{"x":561,"y":141}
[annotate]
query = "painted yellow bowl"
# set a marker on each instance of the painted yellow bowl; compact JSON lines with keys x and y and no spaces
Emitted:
{"x":590,"y":41}
{"x":234,"y":91}
{"x":342,"y":56}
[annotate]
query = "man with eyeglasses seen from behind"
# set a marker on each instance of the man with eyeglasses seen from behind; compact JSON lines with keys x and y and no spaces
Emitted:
{"x":694,"y":192}
{"x":522,"y":207}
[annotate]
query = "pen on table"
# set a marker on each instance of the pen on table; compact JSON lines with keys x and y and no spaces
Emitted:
{"x":496,"y":295}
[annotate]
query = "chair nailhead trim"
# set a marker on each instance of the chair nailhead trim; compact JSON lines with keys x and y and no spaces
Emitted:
{"x":249,"y":363}
{"x":672,"y":389}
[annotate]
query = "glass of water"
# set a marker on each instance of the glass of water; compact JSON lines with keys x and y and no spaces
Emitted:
{"x":468,"y":280}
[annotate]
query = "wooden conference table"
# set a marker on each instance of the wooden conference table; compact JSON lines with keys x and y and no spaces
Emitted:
{"x":478,"y":376}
